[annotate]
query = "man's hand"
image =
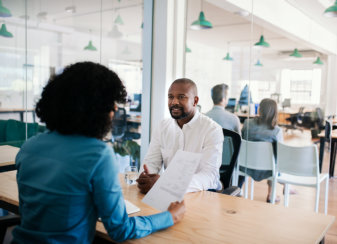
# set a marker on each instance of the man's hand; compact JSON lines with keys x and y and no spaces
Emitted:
{"x":177,"y":210}
{"x":146,"y":180}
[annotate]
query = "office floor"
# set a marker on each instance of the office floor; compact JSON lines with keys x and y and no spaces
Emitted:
{"x":305,"y":199}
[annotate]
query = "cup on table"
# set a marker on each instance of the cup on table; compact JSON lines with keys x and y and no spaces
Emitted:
{"x":131,"y":175}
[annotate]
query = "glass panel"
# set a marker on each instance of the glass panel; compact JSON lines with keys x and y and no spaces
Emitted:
{"x":59,"y":33}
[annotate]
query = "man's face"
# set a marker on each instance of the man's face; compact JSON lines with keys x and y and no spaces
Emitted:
{"x":181,"y":100}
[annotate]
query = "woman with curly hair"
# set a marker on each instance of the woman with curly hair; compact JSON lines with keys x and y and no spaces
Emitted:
{"x":68,"y":177}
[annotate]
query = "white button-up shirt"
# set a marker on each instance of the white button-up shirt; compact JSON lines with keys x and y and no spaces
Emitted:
{"x":200,"y":135}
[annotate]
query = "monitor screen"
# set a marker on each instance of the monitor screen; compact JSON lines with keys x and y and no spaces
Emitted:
{"x":231,"y":102}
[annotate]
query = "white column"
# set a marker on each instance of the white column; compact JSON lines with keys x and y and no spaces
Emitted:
{"x":331,"y":86}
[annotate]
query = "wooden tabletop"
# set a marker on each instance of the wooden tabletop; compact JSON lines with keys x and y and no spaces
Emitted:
{"x":16,"y":110}
{"x":7,"y":155}
{"x":217,"y":218}
{"x":333,"y":134}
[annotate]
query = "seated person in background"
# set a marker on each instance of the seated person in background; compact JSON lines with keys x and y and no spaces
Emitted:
{"x":187,"y":130}
{"x":263,"y":128}
{"x":68,"y":177}
{"x":218,"y":113}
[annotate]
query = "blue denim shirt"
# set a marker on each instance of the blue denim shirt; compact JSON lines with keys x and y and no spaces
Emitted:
{"x":65,"y":183}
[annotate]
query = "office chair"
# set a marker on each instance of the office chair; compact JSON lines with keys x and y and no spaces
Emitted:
{"x":231,"y":148}
{"x":6,"y":222}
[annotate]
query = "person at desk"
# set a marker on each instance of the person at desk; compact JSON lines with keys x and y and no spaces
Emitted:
{"x":68,"y":177}
{"x":218,"y":113}
{"x":190,"y":131}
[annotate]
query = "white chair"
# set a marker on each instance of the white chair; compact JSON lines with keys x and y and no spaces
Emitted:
{"x":300,"y":166}
{"x":259,"y":156}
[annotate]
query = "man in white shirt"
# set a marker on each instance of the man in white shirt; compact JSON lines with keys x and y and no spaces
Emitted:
{"x":187,"y":130}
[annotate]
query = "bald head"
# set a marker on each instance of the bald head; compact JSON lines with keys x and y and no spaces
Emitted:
{"x":189,"y":83}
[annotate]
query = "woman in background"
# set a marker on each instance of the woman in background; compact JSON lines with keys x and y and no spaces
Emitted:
{"x":263,"y":128}
{"x":68,"y":177}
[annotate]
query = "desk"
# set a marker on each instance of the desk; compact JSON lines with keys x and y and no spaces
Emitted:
{"x":332,"y":151}
{"x":7,"y":157}
{"x":215,"y":218}
{"x":17,"y":110}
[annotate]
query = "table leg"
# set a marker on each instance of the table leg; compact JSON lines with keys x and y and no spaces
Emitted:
{"x":321,"y":152}
{"x":21,"y":116}
{"x":332,"y":158}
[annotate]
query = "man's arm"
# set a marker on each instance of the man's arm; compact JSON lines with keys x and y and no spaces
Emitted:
{"x":208,"y":175}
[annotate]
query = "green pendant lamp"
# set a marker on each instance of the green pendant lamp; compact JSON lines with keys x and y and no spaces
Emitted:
{"x":331,"y":11}
{"x":262,"y":42}
{"x":258,"y":63}
{"x":228,"y":57}
{"x":201,"y":23}
{"x":4,"y":32}
{"x":187,"y":49}
{"x":119,"y":20}
{"x":4,"y":12}
{"x":318,"y":61}
{"x":296,"y":54}
{"x":90,"y":47}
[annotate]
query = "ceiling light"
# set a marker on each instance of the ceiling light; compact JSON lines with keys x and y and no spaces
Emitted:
{"x":296,"y":54}
{"x":119,"y":20}
{"x":42,"y":15}
{"x":4,"y":32}
{"x":242,"y":13}
{"x":331,"y":11}
{"x":318,"y":61}
{"x":115,"y":33}
{"x":70,"y":9}
{"x":258,"y":63}
{"x":187,"y":49}
{"x":262,"y":42}
{"x":228,"y":57}
{"x":201,"y":23}
{"x":4,"y":12}
{"x":90,"y":47}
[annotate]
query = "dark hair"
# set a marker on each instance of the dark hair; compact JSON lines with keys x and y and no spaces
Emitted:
{"x":189,"y":82}
{"x":79,"y":100}
{"x":268,"y":113}
{"x":218,"y":93}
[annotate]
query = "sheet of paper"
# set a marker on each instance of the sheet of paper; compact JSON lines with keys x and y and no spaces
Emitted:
{"x":130,"y":207}
{"x":173,"y":183}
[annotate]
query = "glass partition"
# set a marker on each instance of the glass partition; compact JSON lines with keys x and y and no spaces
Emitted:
{"x":46,"y":36}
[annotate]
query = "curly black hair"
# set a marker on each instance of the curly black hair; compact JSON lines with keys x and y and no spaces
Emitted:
{"x":79,"y":100}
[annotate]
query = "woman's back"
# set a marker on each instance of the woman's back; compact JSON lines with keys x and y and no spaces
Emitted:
{"x":253,"y":131}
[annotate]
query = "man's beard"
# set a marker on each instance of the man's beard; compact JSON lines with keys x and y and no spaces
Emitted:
{"x":181,"y":116}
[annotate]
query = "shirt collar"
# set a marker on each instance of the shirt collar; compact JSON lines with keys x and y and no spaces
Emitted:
{"x":219,"y":107}
{"x":191,"y":122}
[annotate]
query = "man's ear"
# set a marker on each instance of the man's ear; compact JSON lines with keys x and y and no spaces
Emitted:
{"x":196,"y":100}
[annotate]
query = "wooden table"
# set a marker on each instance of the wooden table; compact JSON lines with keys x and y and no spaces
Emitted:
{"x":20,"y":111}
{"x":216,"y":218}
{"x":332,"y":151}
{"x":7,"y":157}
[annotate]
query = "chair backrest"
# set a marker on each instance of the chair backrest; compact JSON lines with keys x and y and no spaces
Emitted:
{"x":119,"y":125}
{"x":257,"y":155}
{"x":300,"y":161}
{"x":231,"y":148}
{"x":327,"y":130}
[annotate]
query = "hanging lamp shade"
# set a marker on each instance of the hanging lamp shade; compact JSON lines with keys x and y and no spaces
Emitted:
{"x":90,"y":47}
{"x":296,"y":54}
{"x":258,"y":63}
{"x":262,"y":42}
{"x":187,"y":49}
{"x":228,"y":57}
{"x":331,"y":11}
{"x":4,"y":12}
{"x":318,"y":61}
{"x":115,"y":32}
{"x":201,"y":23}
{"x":4,"y":32}
{"x":119,"y":20}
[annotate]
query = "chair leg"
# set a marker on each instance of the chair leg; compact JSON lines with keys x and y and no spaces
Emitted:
{"x":273,"y":191}
{"x":286,"y":195}
{"x":246,"y":186}
{"x":251,"y":189}
{"x":326,"y":195}
{"x":317,"y":197}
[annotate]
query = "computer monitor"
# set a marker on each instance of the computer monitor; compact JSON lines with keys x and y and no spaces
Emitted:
{"x":231,"y":102}
{"x":136,"y":103}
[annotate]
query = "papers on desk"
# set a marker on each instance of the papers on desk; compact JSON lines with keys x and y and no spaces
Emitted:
{"x":130,"y":207}
{"x":173,"y":183}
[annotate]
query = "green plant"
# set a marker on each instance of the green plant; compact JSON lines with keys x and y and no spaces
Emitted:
{"x":127,"y":148}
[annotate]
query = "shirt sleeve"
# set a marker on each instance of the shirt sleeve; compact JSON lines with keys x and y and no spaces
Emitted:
{"x":279,"y":135}
{"x":208,"y":175}
{"x":237,"y":126}
{"x":110,"y":204}
{"x":153,"y":158}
